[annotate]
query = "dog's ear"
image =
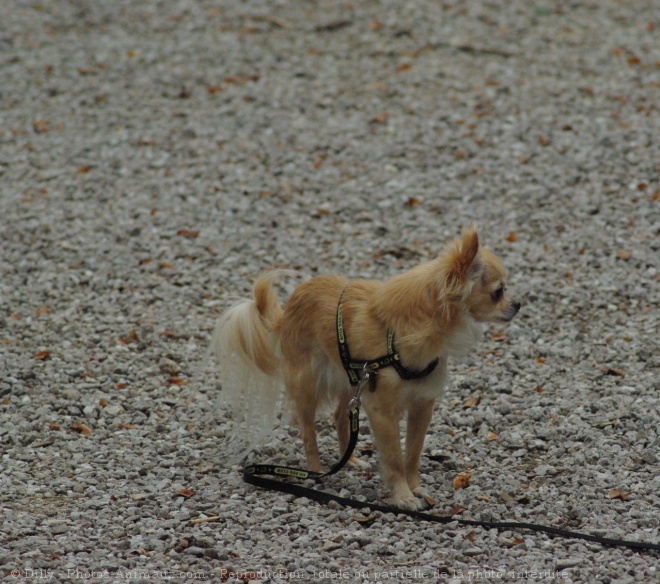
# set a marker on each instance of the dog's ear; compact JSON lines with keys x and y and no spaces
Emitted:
{"x":459,"y":265}
{"x":467,"y":251}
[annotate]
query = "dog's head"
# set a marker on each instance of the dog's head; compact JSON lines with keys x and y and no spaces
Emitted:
{"x":477,"y":279}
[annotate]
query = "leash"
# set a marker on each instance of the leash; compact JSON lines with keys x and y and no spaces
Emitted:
{"x":250,"y":472}
{"x":252,"y":476}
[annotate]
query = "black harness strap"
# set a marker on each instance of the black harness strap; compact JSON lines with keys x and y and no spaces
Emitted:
{"x":354,"y":366}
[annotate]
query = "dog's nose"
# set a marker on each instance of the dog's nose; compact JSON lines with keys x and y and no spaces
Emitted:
{"x":516,"y":306}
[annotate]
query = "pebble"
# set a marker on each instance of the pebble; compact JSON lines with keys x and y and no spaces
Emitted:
{"x":147,"y":179}
{"x":566,"y":563}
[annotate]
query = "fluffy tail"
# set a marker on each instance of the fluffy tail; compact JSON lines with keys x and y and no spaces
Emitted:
{"x":246,"y":346}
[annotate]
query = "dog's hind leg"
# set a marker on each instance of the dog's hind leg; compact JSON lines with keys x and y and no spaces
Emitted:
{"x":305,"y":401}
{"x":308,"y":431}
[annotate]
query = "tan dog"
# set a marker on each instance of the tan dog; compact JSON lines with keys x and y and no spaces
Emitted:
{"x":433,"y":312}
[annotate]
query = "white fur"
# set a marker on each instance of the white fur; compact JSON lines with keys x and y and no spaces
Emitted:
{"x":253,"y":397}
{"x":331,"y":382}
{"x":464,"y":339}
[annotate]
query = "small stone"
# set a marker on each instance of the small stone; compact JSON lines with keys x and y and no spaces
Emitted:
{"x":279,"y":510}
{"x":566,"y":563}
{"x":59,"y":529}
{"x":169,"y":366}
{"x":649,"y":457}
{"x":113,"y":410}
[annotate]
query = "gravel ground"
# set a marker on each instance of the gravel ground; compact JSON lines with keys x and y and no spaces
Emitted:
{"x":156,"y":155}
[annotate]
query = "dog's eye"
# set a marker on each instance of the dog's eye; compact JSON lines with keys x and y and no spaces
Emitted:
{"x":497,"y":295}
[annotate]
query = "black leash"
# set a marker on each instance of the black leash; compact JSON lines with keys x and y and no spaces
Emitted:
{"x":250,"y":472}
{"x":251,"y":476}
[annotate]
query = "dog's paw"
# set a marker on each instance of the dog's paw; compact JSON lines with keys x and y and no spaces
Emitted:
{"x":416,"y":500}
{"x":411,"y":503}
{"x":420,"y":492}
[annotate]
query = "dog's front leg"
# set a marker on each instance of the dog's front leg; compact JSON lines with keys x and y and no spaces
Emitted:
{"x":420,"y":413}
{"x":384,"y":420}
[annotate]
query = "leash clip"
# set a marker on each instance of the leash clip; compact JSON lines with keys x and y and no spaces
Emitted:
{"x":364,"y":379}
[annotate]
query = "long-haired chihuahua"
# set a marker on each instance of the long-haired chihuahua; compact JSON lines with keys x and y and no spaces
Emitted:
{"x":420,"y":318}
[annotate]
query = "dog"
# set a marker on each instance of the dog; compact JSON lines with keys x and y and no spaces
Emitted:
{"x":423,"y":317}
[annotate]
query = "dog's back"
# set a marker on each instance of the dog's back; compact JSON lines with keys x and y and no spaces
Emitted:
{"x":310,"y":316}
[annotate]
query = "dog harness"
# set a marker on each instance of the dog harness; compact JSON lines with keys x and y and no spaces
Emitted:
{"x":370,"y":367}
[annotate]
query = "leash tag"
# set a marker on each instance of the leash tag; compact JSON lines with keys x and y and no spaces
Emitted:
{"x":290,"y":472}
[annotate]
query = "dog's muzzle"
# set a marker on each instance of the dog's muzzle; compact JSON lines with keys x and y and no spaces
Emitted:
{"x":511,"y":311}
